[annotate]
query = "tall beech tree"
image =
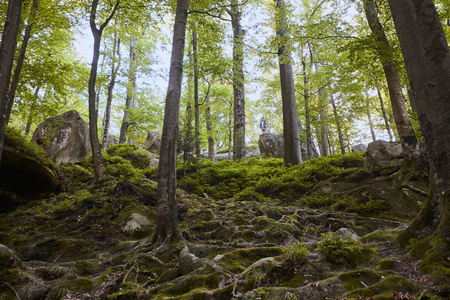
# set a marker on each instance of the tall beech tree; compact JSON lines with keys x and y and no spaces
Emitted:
{"x":7,"y":49}
{"x":292,"y":153}
{"x":405,"y":130}
{"x":99,"y":165}
{"x":238,"y":81}
{"x":427,"y":59}
{"x":167,"y":214}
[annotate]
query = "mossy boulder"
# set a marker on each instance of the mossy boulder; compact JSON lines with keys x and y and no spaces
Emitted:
{"x":385,"y":288}
{"x":238,"y":260}
{"x":23,"y":178}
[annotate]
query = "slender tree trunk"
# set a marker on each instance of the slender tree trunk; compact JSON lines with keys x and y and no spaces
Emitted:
{"x":369,"y":117}
{"x":131,"y":87}
{"x":112,"y":82}
{"x":386,"y":120}
{"x":230,"y":132}
{"x":405,"y":130}
{"x":32,"y":108}
{"x":209,"y":129}
{"x":323,"y":126}
{"x":427,"y":58}
{"x":292,"y":153}
{"x":167,"y":215}
{"x":238,"y":82}
{"x":99,"y":165}
{"x":21,"y":59}
{"x":7,"y":49}
{"x":310,"y":148}
{"x":338,"y":125}
{"x":196,"y":96}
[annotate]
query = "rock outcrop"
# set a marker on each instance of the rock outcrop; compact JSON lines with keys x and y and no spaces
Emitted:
{"x":23,"y":178}
{"x":385,"y":157}
{"x":359,"y":148}
{"x":65,"y":138}
{"x":153,"y":143}
{"x":272,"y":145}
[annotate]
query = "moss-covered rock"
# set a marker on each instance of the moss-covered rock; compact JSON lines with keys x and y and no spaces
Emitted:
{"x":238,"y":260}
{"x":385,"y":288}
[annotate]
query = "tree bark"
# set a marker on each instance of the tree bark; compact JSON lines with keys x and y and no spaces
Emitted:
{"x":427,"y":59}
{"x":209,"y":129}
{"x":112,"y":82}
{"x":323,"y":127}
{"x":21,"y":59}
{"x":338,"y":125}
{"x":369,"y":117}
{"x":405,"y":130}
{"x":167,"y":215}
{"x":386,"y":120}
{"x":196,"y":96}
{"x":292,"y":153}
{"x":7,"y":49}
{"x":131,"y":87}
{"x":238,"y":82}
{"x":310,"y":148}
{"x":99,"y":165}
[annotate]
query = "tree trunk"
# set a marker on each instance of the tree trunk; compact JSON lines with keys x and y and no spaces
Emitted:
{"x":386,"y":120}
{"x":369,"y":117}
{"x":323,"y":126}
{"x":7,"y":49}
{"x":21,"y":59}
{"x":32,"y":108}
{"x":292,"y":153}
{"x":338,"y":125}
{"x":112,"y":82}
{"x":310,"y":148}
{"x":131,"y":87}
{"x":99,"y":165}
{"x":209,"y":129}
{"x":238,"y":82}
{"x":167,"y":215}
{"x":196,"y":96}
{"x":405,"y":131}
{"x":427,"y":58}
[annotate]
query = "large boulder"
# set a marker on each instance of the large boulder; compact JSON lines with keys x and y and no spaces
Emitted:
{"x":384,"y":157}
{"x":272,"y":145}
{"x":23,"y":178}
{"x":153,"y":142}
{"x":65,"y":138}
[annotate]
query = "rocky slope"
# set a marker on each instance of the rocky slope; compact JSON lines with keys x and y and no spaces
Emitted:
{"x":322,"y":231}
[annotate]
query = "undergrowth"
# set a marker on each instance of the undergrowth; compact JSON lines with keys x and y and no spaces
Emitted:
{"x":258,"y":179}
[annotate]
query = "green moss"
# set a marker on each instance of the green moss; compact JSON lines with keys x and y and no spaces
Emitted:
{"x":438,"y":267}
{"x":385,"y":288}
{"x":349,"y":253}
{"x":238,"y":260}
{"x":381,"y":236}
{"x":357,"y":279}
{"x":88,"y":267}
{"x":76,"y":285}
{"x":385,"y":264}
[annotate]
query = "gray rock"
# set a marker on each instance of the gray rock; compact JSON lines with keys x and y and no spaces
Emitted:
{"x":359,"y":148}
{"x":153,"y":142}
{"x":384,"y":156}
{"x":112,"y":140}
{"x":65,"y":138}
{"x":272,"y":145}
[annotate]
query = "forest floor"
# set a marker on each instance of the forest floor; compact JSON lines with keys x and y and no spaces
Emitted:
{"x":255,"y":230}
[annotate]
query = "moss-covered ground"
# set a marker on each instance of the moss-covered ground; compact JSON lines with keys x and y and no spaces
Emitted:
{"x":324,"y":230}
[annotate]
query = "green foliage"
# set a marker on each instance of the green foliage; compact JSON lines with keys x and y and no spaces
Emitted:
{"x":123,"y":150}
{"x":297,"y":252}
